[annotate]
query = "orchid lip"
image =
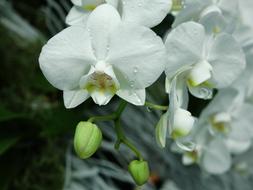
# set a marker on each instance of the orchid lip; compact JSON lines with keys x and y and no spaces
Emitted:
{"x":200,"y":73}
{"x":221,"y":122}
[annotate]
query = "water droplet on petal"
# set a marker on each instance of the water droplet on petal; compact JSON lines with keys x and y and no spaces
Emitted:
{"x":135,"y":70}
{"x":132,"y":84}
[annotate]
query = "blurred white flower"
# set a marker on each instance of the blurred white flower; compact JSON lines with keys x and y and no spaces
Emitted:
{"x":215,"y":15}
{"x":105,"y":58}
{"x":143,"y":12}
{"x":228,"y":121}
{"x":177,"y":120}
{"x":228,"y":115}
{"x":79,"y":13}
{"x":180,"y":120}
{"x":202,"y":62}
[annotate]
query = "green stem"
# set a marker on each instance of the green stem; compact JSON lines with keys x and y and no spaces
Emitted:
{"x":122,"y":139}
{"x":156,"y":107}
{"x":102,"y":118}
{"x":118,"y":129}
{"x":112,"y":116}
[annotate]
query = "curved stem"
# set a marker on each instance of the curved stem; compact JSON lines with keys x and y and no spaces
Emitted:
{"x":112,"y":116}
{"x":102,"y":118}
{"x":122,"y":139}
{"x":156,"y":107}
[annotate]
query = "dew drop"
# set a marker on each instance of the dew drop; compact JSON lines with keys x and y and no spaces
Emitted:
{"x":107,"y":48}
{"x":135,"y":70}
{"x":132,"y":83}
{"x":205,"y":93}
{"x":137,"y":97}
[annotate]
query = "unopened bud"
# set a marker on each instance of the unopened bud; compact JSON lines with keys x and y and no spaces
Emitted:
{"x":183,"y":123}
{"x":87,"y":140}
{"x":139,"y":171}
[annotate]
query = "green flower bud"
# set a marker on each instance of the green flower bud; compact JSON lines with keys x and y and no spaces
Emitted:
{"x":87,"y":140}
{"x":139,"y":171}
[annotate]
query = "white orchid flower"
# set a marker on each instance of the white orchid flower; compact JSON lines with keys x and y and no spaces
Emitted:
{"x":177,"y":121}
{"x":105,"y":58}
{"x":203,"y":62}
{"x":180,"y":120}
{"x":231,"y":133}
{"x":215,"y":15}
{"x":79,"y":13}
{"x":143,"y":12}
{"x":211,"y":152}
{"x":228,"y":114}
{"x":229,"y":125}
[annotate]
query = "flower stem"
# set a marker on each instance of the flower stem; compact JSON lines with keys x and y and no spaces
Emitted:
{"x":112,"y":116}
{"x":122,"y":139}
{"x":156,"y":107}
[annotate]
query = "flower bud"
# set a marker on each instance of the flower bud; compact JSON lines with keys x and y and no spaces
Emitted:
{"x":200,"y":73}
{"x":88,"y":138}
{"x":183,"y":123}
{"x":139,"y":171}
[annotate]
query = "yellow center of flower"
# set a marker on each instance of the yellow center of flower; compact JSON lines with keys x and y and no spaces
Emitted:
{"x":216,"y":29}
{"x":89,"y":7}
{"x":193,"y":155}
{"x":220,"y":122}
{"x":177,"y":5}
{"x":101,"y":82}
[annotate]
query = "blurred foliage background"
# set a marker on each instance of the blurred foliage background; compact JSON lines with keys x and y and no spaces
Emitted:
{"x":36,"y":130}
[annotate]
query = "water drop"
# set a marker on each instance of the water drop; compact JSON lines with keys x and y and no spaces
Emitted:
{"x":135,"y":70}
{"x":107,"y":48}
{"x":132,"y":83}
{"x":206,"y":93}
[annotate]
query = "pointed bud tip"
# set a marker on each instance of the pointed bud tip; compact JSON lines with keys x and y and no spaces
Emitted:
{"x":139,"y":171}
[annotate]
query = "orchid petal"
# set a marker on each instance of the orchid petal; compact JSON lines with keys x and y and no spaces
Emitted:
{"x":136,"y":97}
{"x":141,"y":60}
{"x":216,"y":158}
{"x":184,"y":46}
{"x":77,"y":16}
{"x":74,"y":98}
{"x":67,"y":57}
{"x":145,"y":12}
{"x":101,"y":22}
{"x":227,"y":59}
